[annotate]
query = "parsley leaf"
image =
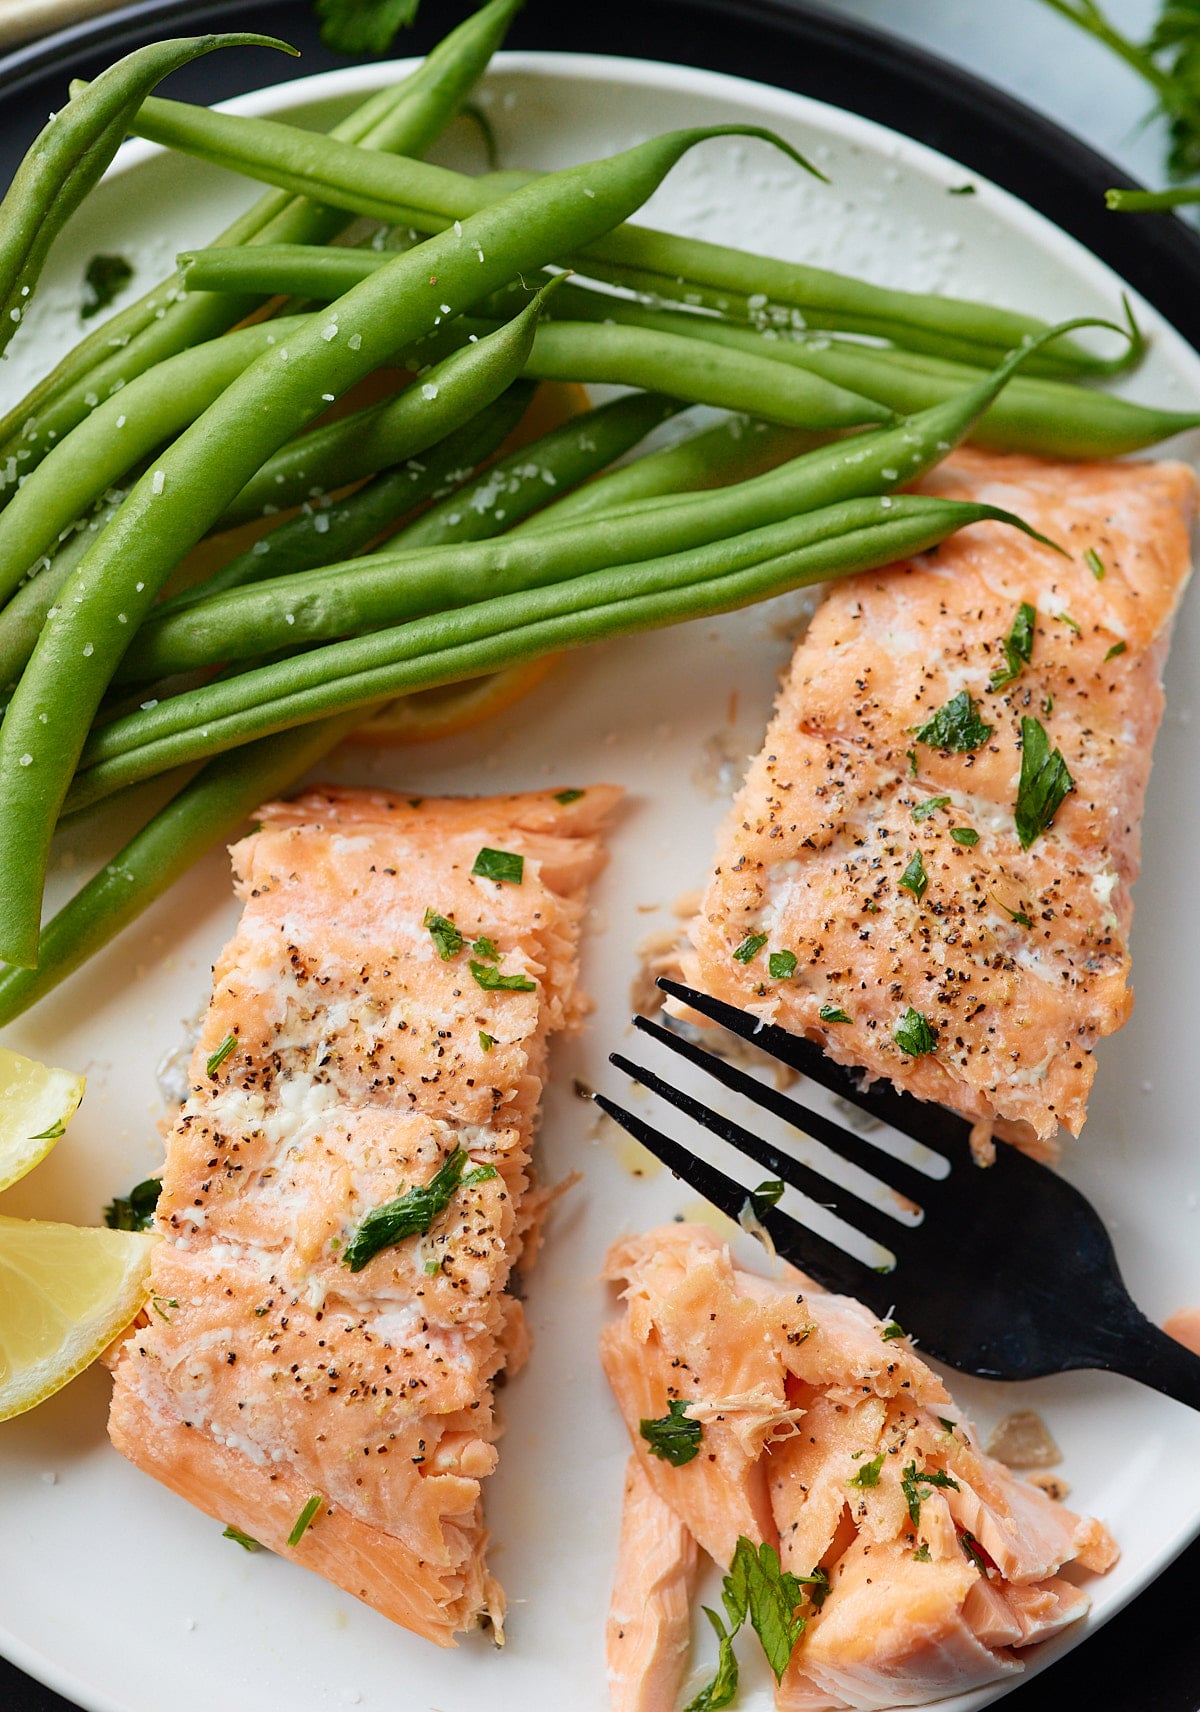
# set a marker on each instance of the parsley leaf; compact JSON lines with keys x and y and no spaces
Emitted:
{"x":1117,"y":649}
{"x":1043,"y":785}
{"x":1071,"y":623}
{"x":1019,"y":916}
{"x":955,"y":726}
{"x":921,"y":1555}
{"x":501,"y":865}
{"x":672,"y":1436}
{"x":410,"y":1214}
{"x":228,"y":1045}
{"x":722,"y":1690}
{"x":134,"y":1211}
{"x":486,"y":1041}
{"x":914,"y":878}
{"x":103,"y":278}
{"x":1017,"y":645}
{"x":891,"y":1331}
{"x":917,"y":1487}
{"x":768,"y":1194}
{"x":750,"y":947}
{"x":566,"y":797}
{"x":833,"y":1013}
{"x":781,"y":965}
{"x":974,"y":1551}
{"x":305,"y":1519}
{"x":965,"y":835}
{"x":486,"y":949}
{"x":52,"y":1133}
{"x":246,"y":1541}
{"x":756,"y":1586}
{"x":868,"y":1474}
{"x":930,"y":806}
{"x":1094,"y":563}
{"x":948,"y":1425}
{"x":363,"y":26}
{"x":914,"y":1034}
{"x":445,"y":935}
{"x":492,"y":981}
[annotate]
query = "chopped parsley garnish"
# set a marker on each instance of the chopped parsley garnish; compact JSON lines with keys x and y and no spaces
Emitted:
{"x":1019,"y":916}
{"x":928,"y":807}
{"x":768,"y":1194}
{"x":948,"y":1425}
{"x":921,"y":1555}
{"x":965,"y":835}
{"x":672,"y":1436}
{"x":103,"y":278}
{"x":892,"y":1330}
{"x":1017,"y":645}
{"x":134,"y":1211}
{"x":868,"y":1474}
{"x":917,"y":1487}
{"x":722,"y":1690}
{"x":246,"y":1541}
{"x":502,"y":865}
{"x":1065,"y":618}
{"x":492,"y":981}
{"x":914,"y":878}
{"x":57,"y":1128}
{"x":955,"y":726}
{"x":833,"y":1013}
{"x":1048,"y":704}
{"x":960,"y":190}
{"x":1115,"y":651}
{"x":757,"y":1587}
{"x":411,"y":1213}
{"x":914,"y":1034}
{"x":781,"y":965}
{"x":445,"y":935}
{"x":360,"y":27}
{"x":487,"y":949}
{"x":912,"y":762}
{"x":1094,"y":563}
{"x":486,"y":1041}
{"x":974,"y":1552}
{"x":1044,"y":783}
{"x":565,"y":797}
{"x":750,"y":947}
{"x":228,"y":1045}
{"x":305,"y":1519}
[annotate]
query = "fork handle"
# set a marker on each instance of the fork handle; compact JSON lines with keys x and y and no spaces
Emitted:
{"x":1142,"y":1351}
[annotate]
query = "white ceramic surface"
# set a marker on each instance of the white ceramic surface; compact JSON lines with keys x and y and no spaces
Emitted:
{"x":123,"y":1597}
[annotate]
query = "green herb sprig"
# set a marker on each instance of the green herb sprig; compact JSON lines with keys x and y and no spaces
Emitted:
{"x":673,"y":1437}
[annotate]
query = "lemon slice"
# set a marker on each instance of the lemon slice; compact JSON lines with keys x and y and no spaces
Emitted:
{"x":65,"y":1293}
{"x":36,"y":1105}
{"x":426,"y":715}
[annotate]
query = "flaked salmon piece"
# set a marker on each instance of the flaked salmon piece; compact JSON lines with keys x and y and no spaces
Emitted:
{"x":345,"y":1060}
{"x":1016,"y":959}
{"x":648,"y":1630}
{"x":941,"y":1564}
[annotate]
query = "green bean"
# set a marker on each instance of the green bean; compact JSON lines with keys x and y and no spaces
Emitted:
{"x":71,"y":154}
{"x":206,"y":811}
{"x":319,"y":536}
{"x":450,"y":646}
{"x":1151,"y":201}
{"x":729,"y":451}
{"x":235,"y":626}
{"x":518,"y":486}
{"x":201,"y":472}
{"x":680,"y":269}
{"x":447,"y":395}
{"x":118,"y":434}
{"x":405,"y":119}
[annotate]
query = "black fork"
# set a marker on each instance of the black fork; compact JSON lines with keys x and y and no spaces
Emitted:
{"x":1009,"y":1273}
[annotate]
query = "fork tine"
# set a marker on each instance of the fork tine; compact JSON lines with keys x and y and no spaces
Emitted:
{"x":829,"y":1265}
{"x":848,"y":1146}
{"x":933,"y":1125}
{"x":873,"y":1221}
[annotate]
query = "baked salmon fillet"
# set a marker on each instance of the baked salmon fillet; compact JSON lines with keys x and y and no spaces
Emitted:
{"x":928,"y":868}
{"x":348,"y":1186}
{"x":924,"y":1566}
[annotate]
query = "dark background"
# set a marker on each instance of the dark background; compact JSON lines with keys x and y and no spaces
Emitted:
{"x":1148,"y":1658}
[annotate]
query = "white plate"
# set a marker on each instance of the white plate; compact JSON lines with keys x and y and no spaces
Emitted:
{"x":122,"y":1596}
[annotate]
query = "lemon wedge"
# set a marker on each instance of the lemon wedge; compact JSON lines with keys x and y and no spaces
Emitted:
{"x":36,"y":1105}
{"x":65,"y":1293}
